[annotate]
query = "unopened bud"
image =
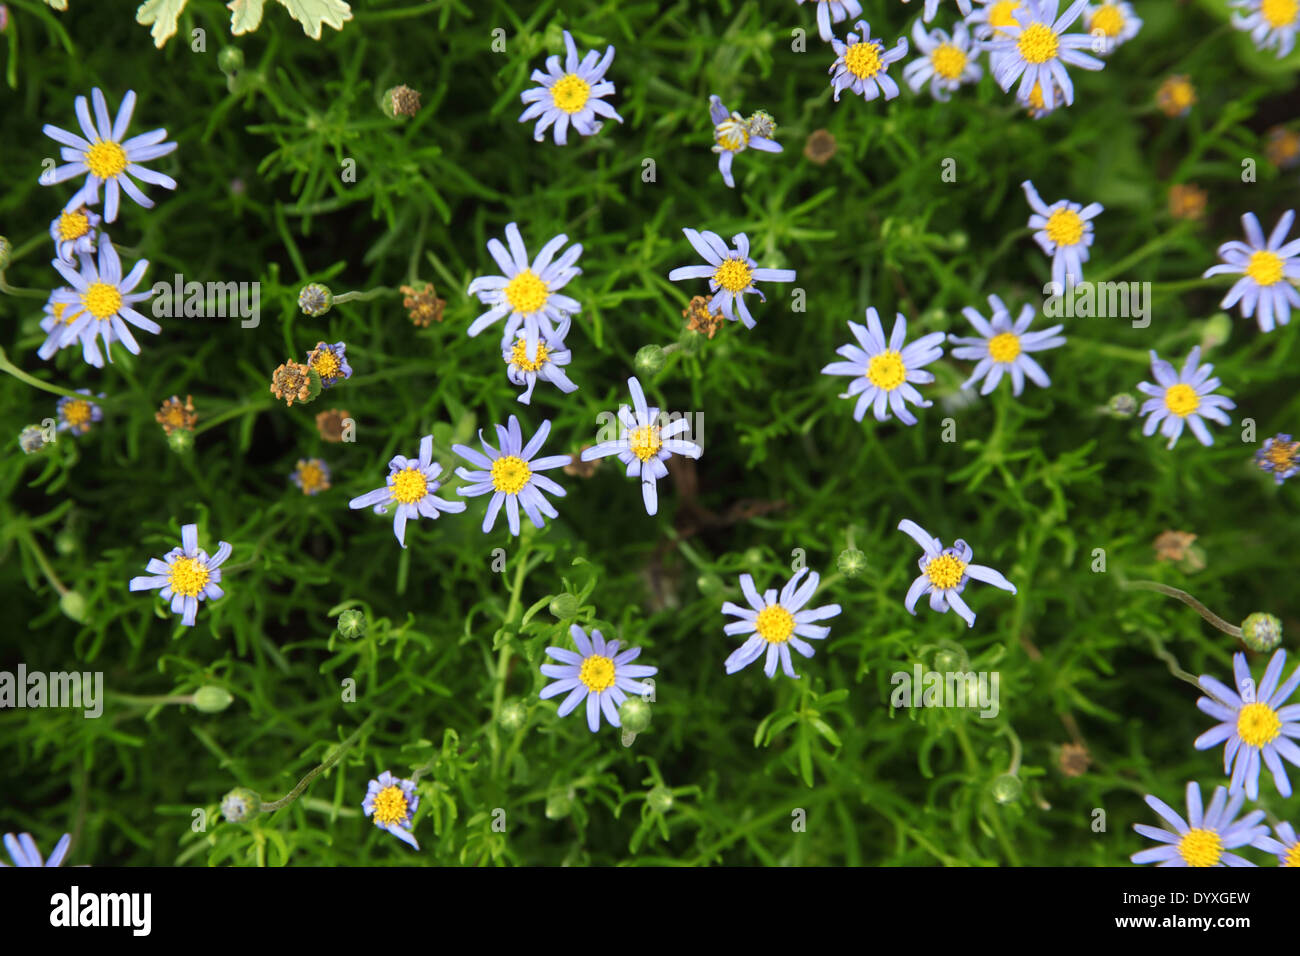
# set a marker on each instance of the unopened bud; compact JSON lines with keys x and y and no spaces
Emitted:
{"x":180,"y":440}
{"x":352,"y":623}
{"x":73,"y":604}
{"x":513,"y":715}
{"x":660,"y":799}
{"x":1261,"y":632}
{"x":650,"y":359}
{"x":1006,"y":788}
{"x":634,"y":715}
{"x":240,"y":804}
{"x":315,"y":299}
{"x":851,"y":562}
{"x":230,"y":60}
{"x":564,"y":606}
{"x":211,"y":699}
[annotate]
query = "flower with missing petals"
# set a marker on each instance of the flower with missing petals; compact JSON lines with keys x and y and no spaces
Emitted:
{"x":104,"y":156}
{"x":733,"y":134}
{"x":1004,"y":346}
{"x":1272,"y":24}
{"x":78,"y":414}
{"x":292,"y":382}
{"x":1269,"y":268}
{"x":1183,"y":398}
{"x":884,"y":372}
{"x":422,"y":305}
{"x":777,"y":623}
{"x":1187,"y":201}
{"x":311,"y":475}
{"x":332,"y":423}
{"x":172,"y":415}
{"x":946,"y":62}
{"x":701,"y":317}
{"x":23,"y":851}
{"x":861,"y":64}
{"x":391,"y":802}
{"x":527,"y":293}
{"x":74,"y":232}
{"x":570,"y":96}
{"x":731,"y":273}
{"x":1037,"y":50}
{"x":1282,"y":844}
{"x":1257,"y":724}
{"x":510,"y":474}
{"x":552,"y":355}
{"x":104,"y":300}
{"x":330,"y":362}
{"x":1206,"y":836}
{"x":185,"y":575}
{"x":1279,"y":457}
{"x":1063,"y":231}
{"x":598,"y":673}
{"x":410,"y":489}
{"x":945,"y":572}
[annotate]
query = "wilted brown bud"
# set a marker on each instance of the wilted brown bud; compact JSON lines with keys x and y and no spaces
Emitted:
{"x":172,"y":415}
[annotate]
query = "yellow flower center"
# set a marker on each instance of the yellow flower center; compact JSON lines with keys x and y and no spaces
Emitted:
{"x":1109,"y":19}
{"x":945,"y":571}
{"x":1182,"y":400}
{"x":1258,"y":724}
{"x":597,"y":672}
{"x":571,"y":93}
{"x":106,"y":160}
{"x":409,"y":486}
{"x":1279,"y":13}
{"x":1200,"y":848}
{"x":510,"y":474}
{"x":863,"y":59}
{"x":391,"y":806}
{"x":526,"y":292}
{"x":326,"y":363}
{"x":886,"y":370}
{"x":645,"y":442}
{"x":948,"y":61}
{"x":187,"y":576}
{"x":734,"y":275}
{"x":102,"y":300}
{"x":775,"y":624}
{"x":1038,"y":43}
{"x":73,"y":225}
{"x":1265,"y":267}
{"x":1293,"y":856}
{"x":312,"y":477}
{"x":731,"y":135}
{"x":1177,"y":94}
{"x":1064,"y":227}
{"x":1004,"y":347}
{"x":76,"y":412}
{"x":1000,"y":15}
{"x":1282,"y":455}
{"x":519,"y":357}
{"x":1036,"y":97}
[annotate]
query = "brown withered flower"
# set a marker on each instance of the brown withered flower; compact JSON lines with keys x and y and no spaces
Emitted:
{"x":820,"y":147}
{"x":700,"y":319}
{"x":1074,"y":760}
{"x":1187,"y":201}
{"x":423,"y":305}
{"x":290,"y":382}
{"x":330,"y":424}
{"x":579,"y":468}
{"x":172,"y":415}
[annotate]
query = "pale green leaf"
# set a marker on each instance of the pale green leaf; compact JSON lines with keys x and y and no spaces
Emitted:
{"x":312,"y":13}
{"x":245,"y":16}
{"x":163,"y":14}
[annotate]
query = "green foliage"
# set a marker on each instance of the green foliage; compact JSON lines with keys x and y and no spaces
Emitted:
{"x":439,"y":672}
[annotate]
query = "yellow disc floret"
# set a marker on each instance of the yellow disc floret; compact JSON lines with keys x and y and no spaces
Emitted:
{"x":105,"y":160}
{"x":1258,"y":724}
{"x":1200,"y":848}
{"x":945,"y":571}
{"x":734,"y":275}
{"x":187,"y":576}
{"x":597,"y":672}
{"x":1064,"y":227}
{"x":948,"y":61}
{"x":520,"y":360}
{"x":1109,"y":19}
{"x":510,"y":474}
{"x":1037,"y":43}
{"x":1004,"y":347}
{"x":391,"y":806}
{"x":571,"y":93}
{"x":312,"y":477}
{"x":73,"y":225}
{"x":1001,"y":14}
{"x":645,"y":442}
{"x":775,"y":624}
{"x":1182,"y":400}
{"x":526,"y":292}
{"x":886,"y":370}
{"x":863,"y":59}
{"x":326,"y":363}
{"x":408,"y":486}
{"x":102,"y":300}
{"x":1265,"y":267}
{"x":76,"y":412}
{"x":1293,"y":856}
{"x":1279,"y":13}
{"x":732,"y":135}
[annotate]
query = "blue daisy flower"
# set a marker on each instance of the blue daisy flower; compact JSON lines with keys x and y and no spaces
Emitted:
{"x":104,"y":298}
{"x":946,"y":62}
{"x":1114,"y":22}
{"x":411,"y":486}
{"x":570,"y":96}
{"x":1283,"y":844}
{"x":330,"y":363}
{"x":884,"y":372}
{"x":777,"y":623}
{"x":1272,"y":24}
{"x":104,"y":156}
{"x":1183,"y":398}
{"x":733,"y":134}
{"x":644,"y":444}
{"x":511,"y":475}
{"x":1063,"y":231}
{"x":391,"y":802}
{"x":311,"y":475}
{"x":945,"y":572}
{"x":598,"y":673}
{"x":552,"y":355}
{"x":60,"y":312}
{"x":185,"y":575}
{"x":1206,"y":836}
{"x":1257,"y":724}
{"x":76,"y":415}
{"x":833,"y":11}
{"x":74,"y":232}
{"x":1037,"y":50}
{"x":861,"y":64}
{"x":731,"y":273}
{"x":1280,"y":457}
{"x":22,"y":850}
{"x":1004,"y":347}
{"x":1268,"y":269}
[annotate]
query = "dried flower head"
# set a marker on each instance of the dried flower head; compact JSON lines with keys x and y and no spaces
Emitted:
{"x":423,"y":305}
{"x":699,"y":318}
{"x":401,"y":101}
{"x":1074,"y":760}
{"x":291,"y":381}
{"x":331,"y":423}
{"x":1187,"y":201}
{"x":1176,"y":546}
{"x":1282,"y":147}
{"x":579,"y":468}
{"x":820,"y":147}
{"x":172,"y":415}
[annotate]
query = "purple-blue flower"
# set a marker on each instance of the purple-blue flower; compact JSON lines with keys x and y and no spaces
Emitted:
{"x":22,"y":850}
{"x":777,"y":623}
{"x":598,"y":673}
{"x":731,"y":273}
{"x":185,"y":575}
{"x":511,"y":476}
{"x":1206,"y":836}
{"x":945,"y":572}
{"x":411,"y":486}
{"x":391,"y":802}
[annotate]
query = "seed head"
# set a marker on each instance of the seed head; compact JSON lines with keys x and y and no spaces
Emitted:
{"x":423,"y":305}
{"x":172,"y":415}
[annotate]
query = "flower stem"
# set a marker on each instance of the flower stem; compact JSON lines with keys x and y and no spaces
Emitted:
{"x":325,"y":765}
{"x":1231,"y":630}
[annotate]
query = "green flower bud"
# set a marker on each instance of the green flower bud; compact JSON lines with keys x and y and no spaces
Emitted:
{"x":1216,"y":330}
{"x":180,"y":440}
{"x":559,"y":803}
{"x":634,"y":714}
{"x":851,"y":562}
{"x":958,"y":241}
{"x":74,"y":606}
{"x":512,"y":716}
{"x":650,"y":359}
{"x":315,"y":299}
{"x":31,"y":439}
{"x":660,"y":799}
{"x":240,"y":804}
{"x":65,"y":542}
{"x":1122,"y":405}
{"x":951,"y":659}
{"x":1006,"y":788}
{"x":211,"y":699}
{"x":352,"y":623}
{"x":564,"y":606}
{"x":1261,"y":632}
{"x":753,"y":556}
{"x":710,"y":584}
{"x":230,"y":60}
{"x":6,"y":253}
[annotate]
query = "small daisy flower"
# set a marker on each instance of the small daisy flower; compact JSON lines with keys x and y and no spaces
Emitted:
{"x":527,"y":294}
{"x":777,"y":623}
{"x":932,"y":7}
{"x":60,"y":312}
{"x":992,"y":18}
{"x":1037,"y":50}
{"x":391,"y":802}
{"x":511,"y":475}
{"x":23,"y":851}
{"x":74,"y":231}
{"x":733,"y":134}
{"x":1063,"y":231}
{"x":1283,"y":844}
{"x":103,"y":156}
{"x":1279,"y":457}
{"x":1272,"y":24}
{"x":1282,"y":147}
{"x":731,"y":273}
{"x":884,"y":372}
{"x":1036,"y":104}
{"x":945,"y":572}
{"x":1257,"y":724}
{"x":833,"y":11}
{"x":861,"y":64}
{"x":1004,"y":347}
{"x":571,"y":96}
{"x":185,"y":575}
{"x":76,"y":415}
{"x":1183,"y":398}
{"x":411,"y":486}
{"x":1204,"y":838}
{"x":552,"y":355}
{"x":1176,"y":96}
{"x":645,"y":444}
{"x":311,"y":475}
{"x":946,"y":62}
{"x":1268,"y":269}
{"x":598,"y":674}
{"x":330,"y":363}
{"x":1114,"y":22}
{"x":104,"y":298}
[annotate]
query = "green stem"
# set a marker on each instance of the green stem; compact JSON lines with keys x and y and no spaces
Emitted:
{"x":1231,"y":630}
{"x":503,"y":658}
{"x":364,"y":296}
{"x":16,"y":372}
{"x":28,"y":539}
{"x":329,"y":761}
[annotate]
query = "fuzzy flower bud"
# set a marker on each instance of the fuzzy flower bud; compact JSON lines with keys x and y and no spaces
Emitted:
{"x":240,"y":804}
{"x":650,"y":359}
{"x":352,"y":623}
{"x":1261,"y":632}
{"x":315,"y":299}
